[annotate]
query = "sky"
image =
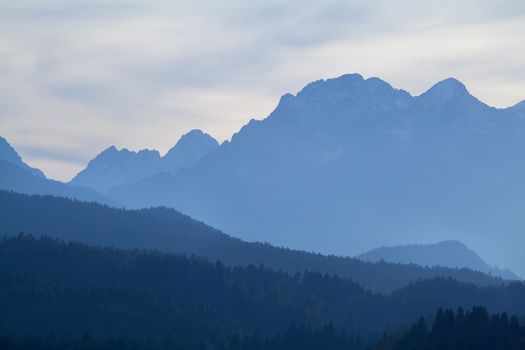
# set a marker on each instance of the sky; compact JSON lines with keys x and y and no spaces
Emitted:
{"x":78,"y":76}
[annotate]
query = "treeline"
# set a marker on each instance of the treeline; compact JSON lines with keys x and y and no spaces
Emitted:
{"x":300,"y":338}
{"x":169,"y":231}
{"x":69,"y":289}
{"x":471,"y":330}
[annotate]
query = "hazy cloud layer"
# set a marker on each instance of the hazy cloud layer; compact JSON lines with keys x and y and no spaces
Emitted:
{"x":78,"y":76}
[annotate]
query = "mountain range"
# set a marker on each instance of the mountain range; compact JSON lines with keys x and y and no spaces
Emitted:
{"x":110,"y":168}
{"x":350,"y":164}
{"x":453,"y":254}
{"x":17,"y":176}
{"x":115,"y":167}
{"x":344,"y":166}
{"x":34,"y":214}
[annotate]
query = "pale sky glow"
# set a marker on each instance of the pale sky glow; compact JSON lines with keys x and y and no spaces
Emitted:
{"x":78,"y":76}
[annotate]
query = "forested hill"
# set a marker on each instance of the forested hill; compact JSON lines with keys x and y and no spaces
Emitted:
{"x":169,"y":231}
{"x":449,"y":253}
{"x":73,"y":289}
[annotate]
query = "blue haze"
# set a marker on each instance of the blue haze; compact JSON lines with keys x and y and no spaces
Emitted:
{"x":349,"y":164}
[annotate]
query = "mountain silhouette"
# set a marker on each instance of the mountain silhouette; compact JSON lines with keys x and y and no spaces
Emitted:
{"x":8,"y":154}
{"x":117,"y":167}
{"x":188,"y":151}
{"x":17,"y":176}
{"x":349,"y":164}
{"x":449,"y":253}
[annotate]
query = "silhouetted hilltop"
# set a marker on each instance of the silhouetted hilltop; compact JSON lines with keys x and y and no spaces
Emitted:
{"x":446,"y":253}
{"x":118,"y":167}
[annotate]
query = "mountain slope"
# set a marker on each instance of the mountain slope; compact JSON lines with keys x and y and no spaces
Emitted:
{"x":17,"y":176}
{"x":8,"y":154}
{"x":169,"y":231}
{"x":446,"y":253}
{"x":118,"y":167}
{"x":114,"y":166}
{"x":13,"y":178}
{"x":349,"y":164}
{"x":188,"y":151}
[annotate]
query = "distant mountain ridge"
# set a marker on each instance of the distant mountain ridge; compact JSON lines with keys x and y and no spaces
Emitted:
{"x":349,"y":163}
{"x":17,"y":176}
{"x":170,"y":231}
{"x":190,"y":148}
{"x":449,"y":253}
{"x":114,"y":167}
{"x":8,"y":154}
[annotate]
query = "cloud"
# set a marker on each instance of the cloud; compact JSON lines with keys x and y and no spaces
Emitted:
{"x":78,"y":76}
